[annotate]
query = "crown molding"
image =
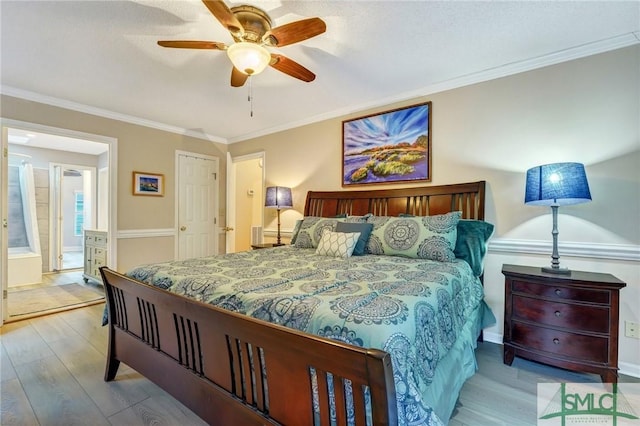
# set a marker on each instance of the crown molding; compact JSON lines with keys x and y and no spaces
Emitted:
{"x":74,"y":106}
{"x":504,"y":70}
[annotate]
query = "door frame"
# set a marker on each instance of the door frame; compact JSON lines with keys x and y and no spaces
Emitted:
{"x":230,"y":214}
{"x":216,"y":200}
{"x":56,"y":246}
{"x":112,"y":220}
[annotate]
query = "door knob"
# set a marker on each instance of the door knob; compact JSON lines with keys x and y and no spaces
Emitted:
{"x":183,"y":228}
{"x":227,"y":228}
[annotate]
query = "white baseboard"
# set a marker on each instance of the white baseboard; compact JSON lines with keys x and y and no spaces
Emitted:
{"x":629,"y":369}
{"x":492,"y":337}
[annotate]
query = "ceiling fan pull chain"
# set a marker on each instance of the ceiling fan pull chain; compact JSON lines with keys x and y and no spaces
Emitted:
{"x":250,"y":99}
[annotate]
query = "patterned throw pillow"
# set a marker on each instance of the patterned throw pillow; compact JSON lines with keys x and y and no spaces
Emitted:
{"x":296,"y":230}
{"x":425,"y":237}
{"x":311,"y":230}
{"x":312,"y":227}
{"x":337,"y":244}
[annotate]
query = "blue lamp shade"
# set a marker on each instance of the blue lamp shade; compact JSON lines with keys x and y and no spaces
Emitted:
{"x":278,"y":197}
{"x":558,"y":184}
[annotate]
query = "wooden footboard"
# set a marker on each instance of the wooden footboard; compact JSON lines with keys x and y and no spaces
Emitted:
{"x":229,"y":368}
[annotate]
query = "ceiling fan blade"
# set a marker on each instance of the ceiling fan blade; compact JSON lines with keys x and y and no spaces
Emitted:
{"x":223,"y":14}
{"x":192,"y":44}
{"x":296,"y":31}
{"x":291,"y":67}
{"x":238,"y":78}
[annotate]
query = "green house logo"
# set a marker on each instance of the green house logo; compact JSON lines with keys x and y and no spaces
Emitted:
{"x":579,"y":404}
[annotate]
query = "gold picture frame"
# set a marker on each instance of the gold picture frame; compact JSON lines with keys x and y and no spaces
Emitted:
{"x":151,"y":184}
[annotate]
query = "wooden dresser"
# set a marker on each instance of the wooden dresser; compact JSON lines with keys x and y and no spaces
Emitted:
{"x":95,"y":254}
{"x":568,"y":321}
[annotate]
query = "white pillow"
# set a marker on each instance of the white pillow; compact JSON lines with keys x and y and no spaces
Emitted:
{"x":337,"y":244}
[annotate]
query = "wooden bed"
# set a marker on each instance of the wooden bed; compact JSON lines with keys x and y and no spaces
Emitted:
{"x":223,"y":365}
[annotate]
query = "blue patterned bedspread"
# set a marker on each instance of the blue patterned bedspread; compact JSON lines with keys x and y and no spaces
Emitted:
{"x":412,"y":308}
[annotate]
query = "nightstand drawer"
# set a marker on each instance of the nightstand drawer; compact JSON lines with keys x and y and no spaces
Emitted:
{"x":576,"y":346}
{"x":576,"y":317}
{"x":561,"y":292}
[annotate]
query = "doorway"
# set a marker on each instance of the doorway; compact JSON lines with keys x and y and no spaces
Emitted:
{"x":72,"y":197}
{"x":245,"y":201}
{"x":78,"y":156}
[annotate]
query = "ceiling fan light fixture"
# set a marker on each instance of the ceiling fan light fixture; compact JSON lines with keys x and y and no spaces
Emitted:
{"x":249,"y":58}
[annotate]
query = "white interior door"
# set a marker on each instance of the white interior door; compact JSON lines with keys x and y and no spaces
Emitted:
{"x":197,"y":205}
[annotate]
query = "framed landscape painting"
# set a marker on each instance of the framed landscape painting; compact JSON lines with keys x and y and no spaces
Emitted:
{"x":393,"y":146}
{"x":148,"y":184}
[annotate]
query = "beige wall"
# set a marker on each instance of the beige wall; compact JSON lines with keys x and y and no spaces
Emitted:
{"x":585,"y":110}
{"x":139,"y":148}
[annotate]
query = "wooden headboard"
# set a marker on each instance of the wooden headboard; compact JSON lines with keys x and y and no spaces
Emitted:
{"x":418,"y":201}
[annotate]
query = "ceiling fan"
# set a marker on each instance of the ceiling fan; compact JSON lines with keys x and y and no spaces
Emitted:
{"x":251,"y":29}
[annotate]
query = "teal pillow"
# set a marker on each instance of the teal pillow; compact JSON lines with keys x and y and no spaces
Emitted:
{"x":424,"y":237}
{"x":365,"y":231}
{"x":471,"y":243}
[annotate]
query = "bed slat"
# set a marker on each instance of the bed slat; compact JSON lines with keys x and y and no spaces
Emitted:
{"x":417,"y":201}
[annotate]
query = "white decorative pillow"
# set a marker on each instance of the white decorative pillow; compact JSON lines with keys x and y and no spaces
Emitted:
{"x":337,"y":244}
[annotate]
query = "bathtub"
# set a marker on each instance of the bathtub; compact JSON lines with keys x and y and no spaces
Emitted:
{"x":24,"y":267}
{"x":24,"y":261}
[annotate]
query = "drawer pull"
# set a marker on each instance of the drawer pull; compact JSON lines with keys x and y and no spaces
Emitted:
{"x":557,"y":313}
{"x":556,"y":341}
{"x":558,"y":292}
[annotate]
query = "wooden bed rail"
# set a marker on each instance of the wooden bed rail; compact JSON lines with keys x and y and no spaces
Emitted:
{"x":232,"y":369}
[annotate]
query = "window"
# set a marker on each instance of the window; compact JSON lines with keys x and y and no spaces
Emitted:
{"x":78,"y":220}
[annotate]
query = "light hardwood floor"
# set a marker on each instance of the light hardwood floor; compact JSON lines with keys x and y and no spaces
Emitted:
{"x":51,"y":373}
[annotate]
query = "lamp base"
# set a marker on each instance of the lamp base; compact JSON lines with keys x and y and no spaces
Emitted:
{"x":552,"y":270}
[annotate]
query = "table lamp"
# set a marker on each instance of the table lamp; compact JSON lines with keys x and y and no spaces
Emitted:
{"x":278,"y":197}
{"x":558,"y":184}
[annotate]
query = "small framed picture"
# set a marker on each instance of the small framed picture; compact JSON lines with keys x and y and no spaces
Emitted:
{"x":148,"y":184}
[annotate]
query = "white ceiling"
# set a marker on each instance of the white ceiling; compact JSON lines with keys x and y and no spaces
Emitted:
{"x":102,"y":56}
{"x":32,"y":139}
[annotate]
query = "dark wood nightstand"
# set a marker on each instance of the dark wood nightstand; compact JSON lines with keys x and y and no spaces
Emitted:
{"x":568,"y":321}
{"x":265,"y":245}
